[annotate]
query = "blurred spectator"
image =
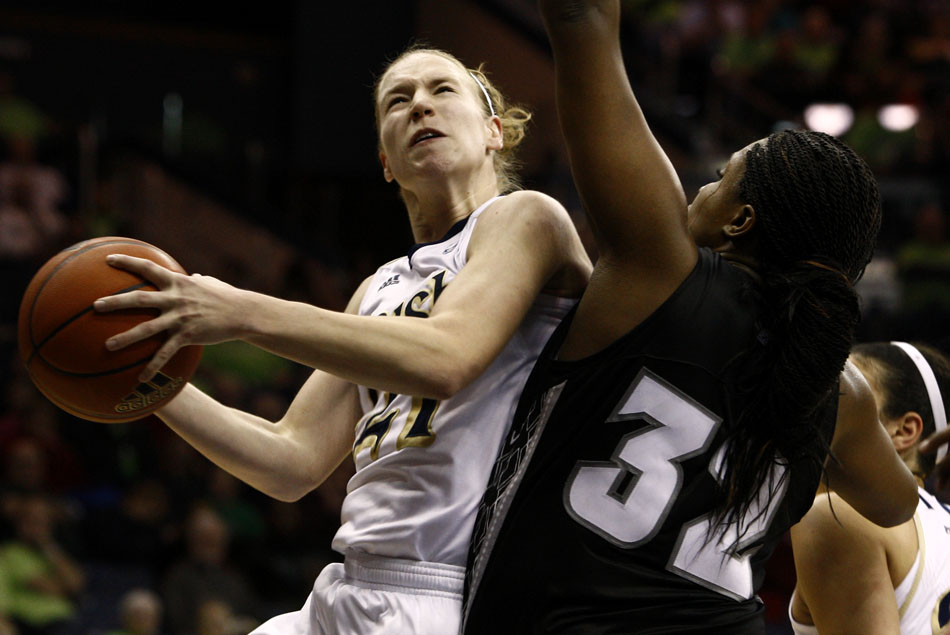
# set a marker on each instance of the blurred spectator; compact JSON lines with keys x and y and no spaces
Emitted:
{"x":140,"y":613}
{"x":40,"y":421}
{"x":814,"y":50}
{"x":184,"y":473}
{"x":296,"y":550}
{"x":204,"y":573}
{"x":41,"y":581}
{"x":31,"y":226}
{"x":29,"y":461}
{"x":748,"y":46}
{"x":869,"y":61}
{"x":19,"y":117}
{"x":216,"y":617}
{"x":139,"y":532}
{"x":30,"y":196}
{"x":230,"y":499}
{"x":24,"y":474}
{"x":6,"y":626}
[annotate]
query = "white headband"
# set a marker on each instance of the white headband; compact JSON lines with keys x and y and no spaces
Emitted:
{"x":933,"y":390}
{"x":484,"y":92}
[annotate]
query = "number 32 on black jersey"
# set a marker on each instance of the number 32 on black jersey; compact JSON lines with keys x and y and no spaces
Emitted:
{"x":627,"y":499}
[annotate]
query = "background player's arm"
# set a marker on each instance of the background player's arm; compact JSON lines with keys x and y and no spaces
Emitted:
{"x":942,"y":469}
{"x":868,"y":473}
{"x":842,"y":571}
{"x":284,"y":459}
{"x":520,"y":245}
{"x":626,"y":181}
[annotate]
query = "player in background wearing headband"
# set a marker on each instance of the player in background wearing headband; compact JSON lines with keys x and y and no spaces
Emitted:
{"x":857,"y":577}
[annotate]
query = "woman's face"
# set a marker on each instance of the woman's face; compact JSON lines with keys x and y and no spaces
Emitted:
{"x":432,"y":120}
{"x":717,"y":204}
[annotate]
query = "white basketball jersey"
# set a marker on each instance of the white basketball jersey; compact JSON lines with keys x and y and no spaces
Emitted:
{"x":923,"y":597}
{"x":421,"y":464}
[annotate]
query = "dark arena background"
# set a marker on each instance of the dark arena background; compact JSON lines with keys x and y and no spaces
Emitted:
{"x":242,"y":142}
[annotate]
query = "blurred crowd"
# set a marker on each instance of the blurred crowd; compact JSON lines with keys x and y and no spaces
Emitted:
{"x":752,"y":64}
{"x":716,"y":74}
{"x":124,"y":529}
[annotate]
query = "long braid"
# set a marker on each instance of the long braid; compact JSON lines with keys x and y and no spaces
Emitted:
{"x":817,"y":206}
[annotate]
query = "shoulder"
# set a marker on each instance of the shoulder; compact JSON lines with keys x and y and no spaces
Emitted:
{"x":528,"y":206}
{"x":830,"y":514}
{"x":527,"y":217}
{"x":832,"y":528}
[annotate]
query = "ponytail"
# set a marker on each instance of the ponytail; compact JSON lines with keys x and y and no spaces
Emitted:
{"x":818,"y":208}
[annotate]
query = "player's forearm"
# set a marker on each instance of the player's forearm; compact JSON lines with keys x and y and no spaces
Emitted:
{"x":251,"y":448}
{"x":627,"y":183}
{"x":570,"y":14}
{"x":407,"y":355}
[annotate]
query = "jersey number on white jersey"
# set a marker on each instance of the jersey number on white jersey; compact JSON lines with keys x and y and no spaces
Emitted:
{"x":416,"y":431}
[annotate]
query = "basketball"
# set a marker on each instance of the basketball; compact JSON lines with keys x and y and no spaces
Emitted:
{"x":62,"y":339}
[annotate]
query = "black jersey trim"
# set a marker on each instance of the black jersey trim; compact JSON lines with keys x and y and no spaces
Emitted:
{"x":454,"y":230}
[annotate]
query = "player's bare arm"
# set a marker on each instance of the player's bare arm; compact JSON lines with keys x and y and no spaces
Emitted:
{"x":624,"y":177}
{"x":523,"y":244}
{"x":842,"y":570}
{"x":628,"y":186}
{"x":626,"y":181}
{"x":865,"y":470}
{"x":942,"y":469}
{"x":284,"y":459}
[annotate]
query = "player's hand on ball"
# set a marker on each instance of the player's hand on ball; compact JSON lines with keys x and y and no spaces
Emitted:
{"x":194,"y":309}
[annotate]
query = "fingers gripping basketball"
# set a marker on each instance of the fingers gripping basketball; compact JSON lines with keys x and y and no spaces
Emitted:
{"x":62,"y":339}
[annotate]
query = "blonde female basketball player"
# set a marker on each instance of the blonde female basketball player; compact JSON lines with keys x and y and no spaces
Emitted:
{"x":430,"y":399}
{"x":854,"y":576}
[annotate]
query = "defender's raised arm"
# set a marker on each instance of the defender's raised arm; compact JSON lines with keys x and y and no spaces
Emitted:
{"x":626,"y":181}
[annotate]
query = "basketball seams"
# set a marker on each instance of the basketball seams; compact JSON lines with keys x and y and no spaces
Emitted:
{"x":79,"y":251}
{"x":67,"y":285}
{"x":98,"y":373}
{"x":63,"y":325}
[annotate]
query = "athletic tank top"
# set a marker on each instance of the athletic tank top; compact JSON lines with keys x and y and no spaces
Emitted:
{"x":923,"y":596}
{"x":422,"y":464}
{"x":597,"y":514}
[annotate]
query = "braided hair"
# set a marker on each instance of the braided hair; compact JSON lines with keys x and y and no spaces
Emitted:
{"x":818,"y":215}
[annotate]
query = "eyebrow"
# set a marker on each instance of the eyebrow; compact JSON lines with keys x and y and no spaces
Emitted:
{"x":402,"y":85}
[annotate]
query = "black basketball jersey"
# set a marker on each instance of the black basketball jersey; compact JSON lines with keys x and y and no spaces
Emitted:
{"x":596,"y":518}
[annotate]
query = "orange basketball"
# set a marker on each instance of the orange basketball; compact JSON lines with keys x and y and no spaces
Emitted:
{"x":62,"y":339}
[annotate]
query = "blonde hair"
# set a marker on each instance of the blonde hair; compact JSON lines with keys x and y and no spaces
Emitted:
{"x":514,"y":118}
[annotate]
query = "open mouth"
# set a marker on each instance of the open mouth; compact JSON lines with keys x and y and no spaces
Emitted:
{"x":424,"y":135}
